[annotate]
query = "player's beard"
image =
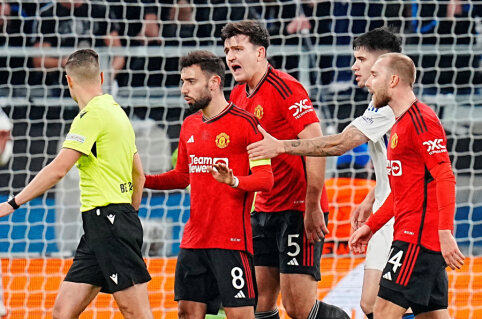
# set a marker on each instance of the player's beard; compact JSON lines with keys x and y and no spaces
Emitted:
{"x":381,"y":98}
{"x":201,"y":103}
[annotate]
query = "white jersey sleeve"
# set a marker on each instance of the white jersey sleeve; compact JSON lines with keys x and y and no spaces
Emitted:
{"x":5,"y":152}
{"x":375,"y":122}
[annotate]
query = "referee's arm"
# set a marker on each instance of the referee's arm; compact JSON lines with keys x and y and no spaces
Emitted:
{"x":45,"y":179}
{"x":138,"y":180}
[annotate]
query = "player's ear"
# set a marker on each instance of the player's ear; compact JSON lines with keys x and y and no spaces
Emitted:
{"x":261,"y":53}
{"x":214,"y":82}
{"x":394,"y":80}
{"x":101,"y":78}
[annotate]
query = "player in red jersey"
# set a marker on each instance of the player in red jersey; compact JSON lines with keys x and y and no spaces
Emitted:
{"x":422,"y":199}
{"x":215,"y":263}
{"x":288,"y":222}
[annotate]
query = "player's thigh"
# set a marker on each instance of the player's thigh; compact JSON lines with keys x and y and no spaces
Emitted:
{"x":268,"y":280}
{"x":133,"y":302}
{"x":296,"y":254}
{"x":298,"y":291}
{"x":191,"y":309}
{"x":239,"y":312}
{"x":379,"y":248}
{"x":73,"y":298}
{"x":371,"y":284}
{"x":437,"y":314}
{"x":195,"y":281}
{"x":265,"y":247}
{"x":234,"y":273}
{"x":388,"y":310}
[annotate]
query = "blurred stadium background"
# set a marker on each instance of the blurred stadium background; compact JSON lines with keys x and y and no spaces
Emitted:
{"x":140,"y":43}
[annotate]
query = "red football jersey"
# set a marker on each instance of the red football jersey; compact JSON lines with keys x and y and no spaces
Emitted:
{"x":283,"y":108}
{"x":220,"y":214}
{"x":417,"y":144}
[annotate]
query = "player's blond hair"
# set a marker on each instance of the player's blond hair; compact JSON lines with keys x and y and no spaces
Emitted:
{"x":402,"y":65}
{"x":83,"y":65}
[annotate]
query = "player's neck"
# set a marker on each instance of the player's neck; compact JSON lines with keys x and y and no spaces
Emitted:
{"x":402,"y":102}
{"x":86,"y":95}
{"x":216,"y":106}
{"x":258,"y":75}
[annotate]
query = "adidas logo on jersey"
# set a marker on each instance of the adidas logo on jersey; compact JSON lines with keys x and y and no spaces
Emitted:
{"x":240,"y":294}
{"x":114,"y":278}
{"x":111,"y":218}
{"x":191,"y":139}
{"x":293,"y":262}
{"x":387,"y":276}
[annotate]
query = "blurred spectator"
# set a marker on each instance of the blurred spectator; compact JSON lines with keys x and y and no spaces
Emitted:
{"x":446,"y":23}
{"x":15,"y":26}
{"x":79,"y":24}
{"x":138,"y":24}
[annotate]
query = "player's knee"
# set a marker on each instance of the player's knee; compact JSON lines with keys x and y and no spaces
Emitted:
{"x":134,"y":312}
{"x":295,"y":310}
{"x":366,"y":306}
{"x":185,"y":313}
{"x":60,"y":312}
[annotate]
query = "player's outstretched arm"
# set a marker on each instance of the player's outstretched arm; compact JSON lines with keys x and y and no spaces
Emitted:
{"x":359,"y":239}
{"x":138,"y":180}
{"x":361,"y":213}
{"x":45,"y":179}
{"x":329,"y":145}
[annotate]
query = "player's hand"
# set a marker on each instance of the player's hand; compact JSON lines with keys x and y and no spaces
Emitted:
{"x":315,"y":226}
{"x":450,"y":251}
{"x":268,"y":147}
{"x":222,"y":173}
{"x":361,"y":214}
{"x":5,"y":209}
{"x":359,"y":239}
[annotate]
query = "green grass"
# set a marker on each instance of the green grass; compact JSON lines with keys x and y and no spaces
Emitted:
{"x":220,"y":315}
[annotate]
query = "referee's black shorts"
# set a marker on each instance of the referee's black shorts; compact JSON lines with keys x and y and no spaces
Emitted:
{"x":109,"y":253}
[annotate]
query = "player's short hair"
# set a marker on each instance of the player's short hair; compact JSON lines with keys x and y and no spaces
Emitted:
{"x":83,"y":64}
{"x":402,"y":65}
{"x":257,"y":33}
{"x":207,"y":61}
{"x":379,"y":39}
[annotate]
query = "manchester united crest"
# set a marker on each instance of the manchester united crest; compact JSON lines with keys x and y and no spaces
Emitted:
{"x":222,"y":140}
{"x":258,"y":112}
{"x":394,"y":141}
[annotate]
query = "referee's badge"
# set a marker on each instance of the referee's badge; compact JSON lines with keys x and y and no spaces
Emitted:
{"x":258,"y":112}
{"x":222,"y":140}
{"x":394,"y":141}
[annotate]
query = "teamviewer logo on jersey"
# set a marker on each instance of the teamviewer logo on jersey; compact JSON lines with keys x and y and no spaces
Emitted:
{"x":301,"y":108}
{"x":200,"y":164}
{"x":394,"y":168}
{"x":435,"y":146}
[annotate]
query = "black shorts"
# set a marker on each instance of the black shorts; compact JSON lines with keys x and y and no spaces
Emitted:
{"x":415,"y":277}
{"x":215,"y":276}
{"x":279,"y":241}
{"x":109,"y":253}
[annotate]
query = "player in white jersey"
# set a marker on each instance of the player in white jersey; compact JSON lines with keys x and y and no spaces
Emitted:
{"x":371,"y":127}
{"x":6,"y":145}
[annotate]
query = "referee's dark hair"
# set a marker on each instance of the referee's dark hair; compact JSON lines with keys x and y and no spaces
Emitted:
{"x":83,"y":64}
{"x":257,"y":33}
{"x":379,"y":39}
{"x":207,"y":61}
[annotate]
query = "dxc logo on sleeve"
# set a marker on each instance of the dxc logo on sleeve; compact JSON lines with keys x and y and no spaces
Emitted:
{"x":301,"y":108}
{"x":435,"y":146}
